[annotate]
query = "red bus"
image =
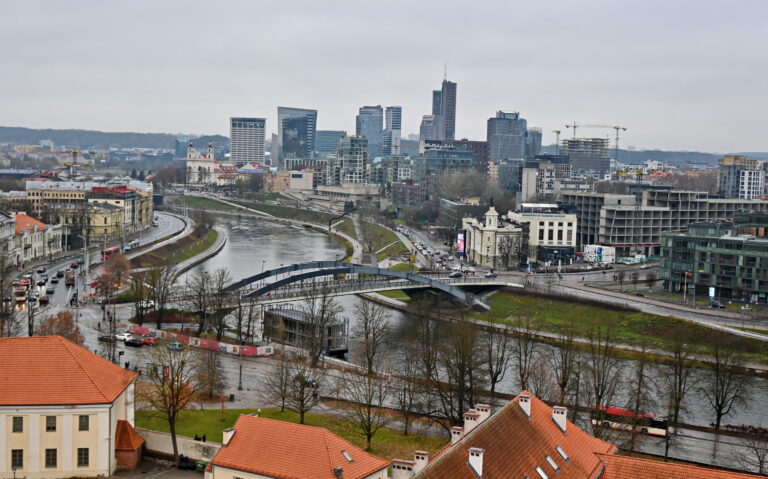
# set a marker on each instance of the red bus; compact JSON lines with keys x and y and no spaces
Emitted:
{"x":107,"y":253}
{"x":625,"y":419}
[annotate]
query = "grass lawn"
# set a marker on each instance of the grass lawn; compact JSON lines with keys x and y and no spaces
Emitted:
{"x":377,"y":236}
{"x":205,"y":203}
{"x":406,"y":267}
{"x":397,"y":294}
{"x":287,"y":212}
{"x":626,"y":326}
{"x":347,"y":227}
{"x":176,"y":252}
{"x":392,"y":251}
{"x":388,"y":443}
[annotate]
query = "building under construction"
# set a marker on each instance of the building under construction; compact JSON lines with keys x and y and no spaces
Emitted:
{"x":294,"y":327}
{"x":587,"y":154}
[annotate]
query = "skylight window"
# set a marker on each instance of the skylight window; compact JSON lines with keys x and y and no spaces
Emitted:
{"x":552,"y":463}
{"x":562,"y":453}
{"x":541,"y":473}
{"x":346,"y":455}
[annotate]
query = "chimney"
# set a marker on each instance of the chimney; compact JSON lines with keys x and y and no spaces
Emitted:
{"x":457,"y":432}
{"x":524,"y":401}
{"x":228,"y":433}
{"x":338,"y":472}
{"x":420,"y":459}
{"x":471,"y":420}
{"x":560,"y":416}
{"x":484,"y":410}
{"x":476,"y":460}
{"x":402,"y":469}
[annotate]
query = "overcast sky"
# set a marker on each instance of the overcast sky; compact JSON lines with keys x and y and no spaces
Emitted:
{"x":679,"y":74}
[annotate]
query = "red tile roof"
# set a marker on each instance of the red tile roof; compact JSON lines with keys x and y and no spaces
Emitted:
{"x":126,"y":437}
{"x":515,"y":445}
{"x":50,"y":370}
{"x":624,"y":467}
{"x":26,"y":222}
{"x":284,"y":450}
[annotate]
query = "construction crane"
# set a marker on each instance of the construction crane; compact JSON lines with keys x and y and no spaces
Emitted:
{"x":616,"y":128}
{"x":557,"y":141}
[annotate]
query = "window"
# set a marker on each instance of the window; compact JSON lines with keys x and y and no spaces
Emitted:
{"x":541,"y":473}
{"x":553,"y":464}
{"x":50,"y":458}
{"x":562,"y":453}
{"x":82,"y":456}
{"x":84,"y":423}
{"x":17,"y":458}
{"x":18,"y":424}
{"x":50,"y":423}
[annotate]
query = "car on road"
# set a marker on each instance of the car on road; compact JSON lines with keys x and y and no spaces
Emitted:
{"x":27,"y":276}
{"x":55,"y":280}
{"x":456,"y":274}
{"x":149,"y":341}
{"x":44,"y":300}
{"x":645,"y":266}
{"x":148,"y":304}
{"x":175,"y":346}
{"x":491,"y":274}
{"x":59,"y":274}
{"x":134,"y":342}
{"x":41,"y":269}
{"x":50,"y":290}
{"x":32,"y":298}
{"x":716,"y":305}
{"x":107,"y":338}
{"x":123,"y":336}
{"x":74,"y":265}
{"x":21,"y":299}
{"x":640,"y":294}
{"x":41,"y":283}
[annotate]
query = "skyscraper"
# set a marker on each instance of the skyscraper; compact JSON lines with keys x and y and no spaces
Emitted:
{"x":392,"y":130}
{"x":182,"y":144}
{"x":370,"y":124}
{"x":506,"y":136}
{"x":310,"y":130}
{"x":327,"y":142}
{"x":532,"y":142}
{"x":740,"y":177}
{"x":429,"y":128}
{"x":246,"y":140}
{"x":350,"y":163}
{"x":444,"y":111}
{"x":295,"y":136}
{"x":587,"y":154}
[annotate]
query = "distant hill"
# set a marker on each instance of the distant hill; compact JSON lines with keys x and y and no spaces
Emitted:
{"x":101,"y":140}
{"x":675,"y":158}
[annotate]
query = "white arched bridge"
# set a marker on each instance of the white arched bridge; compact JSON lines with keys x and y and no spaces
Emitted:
{"x":300,"y":281}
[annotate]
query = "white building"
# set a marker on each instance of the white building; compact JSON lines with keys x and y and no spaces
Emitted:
{"x":246,"y":140}
{"x":549,"y":226}
{"x":34,"y":239}
{"x":494,"y":241}
{"x":64,"y":411}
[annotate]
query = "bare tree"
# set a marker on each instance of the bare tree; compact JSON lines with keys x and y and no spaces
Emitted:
{"x":220,"y":299}
{"x":304,"y":384}
{"x":210,"y":376}
{"x":172,"y":383}
{"x":678,"y":380}
{"x":651,"y":278}
{"x":367,"y":394}
{"x":9,"y":324}
{"x":118,"y":268}
{"x":512,"y":249}
{"x":524,"y":351}
{"x":621,"y":276}
{"x":321,"y":311}
{"x":198,"y":299}
{"x":725,"y":386}
{"x":642,"y":390}
{"x":603,"y":374}
{"x":61,"y":324}
{"x":634,"y":276}
{"x":160,"y":282}
{"x":246,"y":315}
{"x":276,"y":385}
{"x":407,"y":388}
{"x":755,"y":452}
{"x":497,"y":347}
{"x":543,"y":383}
{"x":563,"y":360}
{"x":371,"y":332}
{"x":140,"y":293}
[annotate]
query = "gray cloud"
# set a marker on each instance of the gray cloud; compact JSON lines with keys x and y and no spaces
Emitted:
{"x":684,"y":74}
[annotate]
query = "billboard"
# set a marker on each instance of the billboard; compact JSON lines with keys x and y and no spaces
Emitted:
{"x":460,"y":243}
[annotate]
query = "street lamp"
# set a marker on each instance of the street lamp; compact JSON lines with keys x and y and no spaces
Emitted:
{"x":240,"y":382}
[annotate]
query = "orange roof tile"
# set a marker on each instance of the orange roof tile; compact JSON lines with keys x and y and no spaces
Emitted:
{"x":50,"y":370}
{"x":285,"y":450}
{"x":26,"y":222}
{"x":126,"y":437}
{"x":515,"y":445}
{"x":624,"y":467}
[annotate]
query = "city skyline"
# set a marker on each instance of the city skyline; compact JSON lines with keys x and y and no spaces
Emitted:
{"x":662,"y":76}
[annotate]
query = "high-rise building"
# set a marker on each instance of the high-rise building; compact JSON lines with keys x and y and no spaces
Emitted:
{"x":284,"y":113}
{"x":429,"y":128}
{"x":182,"y":144}
{"x":295,"y":135}
{"x":506,"y":136}
{"x":327,"y":142}
{"x":532,"y":142}
{"x":740,"y":177}
{"x":370,"y":124}
{"x":246,"y":140}
{"x":350,"y":163}
{"x":587,"y":154}
{"x":443,"y":112}
{"x":393,"y":120}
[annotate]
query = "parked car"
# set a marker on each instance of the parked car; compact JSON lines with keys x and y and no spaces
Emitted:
{"x":33,"y":298}
{"x":640,"y":294}
{"x":59,"y":274}
{"x":55,"y":279}
{"x":456,"y":274}
{"x":134,"y":343}
{"x":123,"y":336}
{"x":148,"y":304}
{"x":50,"y":290}
{"x":175,"y":346}
{"x":149,"y":341}
{"x":43,"y":300}
{"x":41,"y":269}
{"x":491,"y":274}
{"x":716,"y":305}
{"x":107,"y":338}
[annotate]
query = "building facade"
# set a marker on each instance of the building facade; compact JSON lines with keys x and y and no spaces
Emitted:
{"x":370,"y":124}
{"x":393,"y":125}
{"x":351,"y":162}
{"x":495,"y":242}
{"x":740,"y":177}
{"x":506,"y":136}
{"x":552,"y":232}
{"x":246,"y":140}
{"x":309,"y":129}
{"x":327,"y":142}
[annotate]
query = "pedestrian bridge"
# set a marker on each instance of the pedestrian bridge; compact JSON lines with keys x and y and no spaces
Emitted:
{"x":300,"y":281}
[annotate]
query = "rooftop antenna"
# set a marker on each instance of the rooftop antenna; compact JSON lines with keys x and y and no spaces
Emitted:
{"x":445,"y":70}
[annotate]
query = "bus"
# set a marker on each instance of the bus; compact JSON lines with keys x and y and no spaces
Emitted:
{"x":623,"y":419}
{"x":131,"y":245}
{"x":69,"y":278}
{"x":108,"y":252}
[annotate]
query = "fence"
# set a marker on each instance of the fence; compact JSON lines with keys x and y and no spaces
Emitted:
{"x":160,"y":442}
{"x":202,"y":343}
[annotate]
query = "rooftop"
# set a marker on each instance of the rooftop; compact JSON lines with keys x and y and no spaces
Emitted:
{"x":283,"y":450}
{"x":27,"y":223}
{"x":624,"y":467}
{"x":50,"y":370}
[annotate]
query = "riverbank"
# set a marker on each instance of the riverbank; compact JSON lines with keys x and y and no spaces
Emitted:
{"x":177,"y":252}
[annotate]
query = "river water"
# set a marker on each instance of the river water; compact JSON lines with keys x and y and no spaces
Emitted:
{"x":255,"y":244}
